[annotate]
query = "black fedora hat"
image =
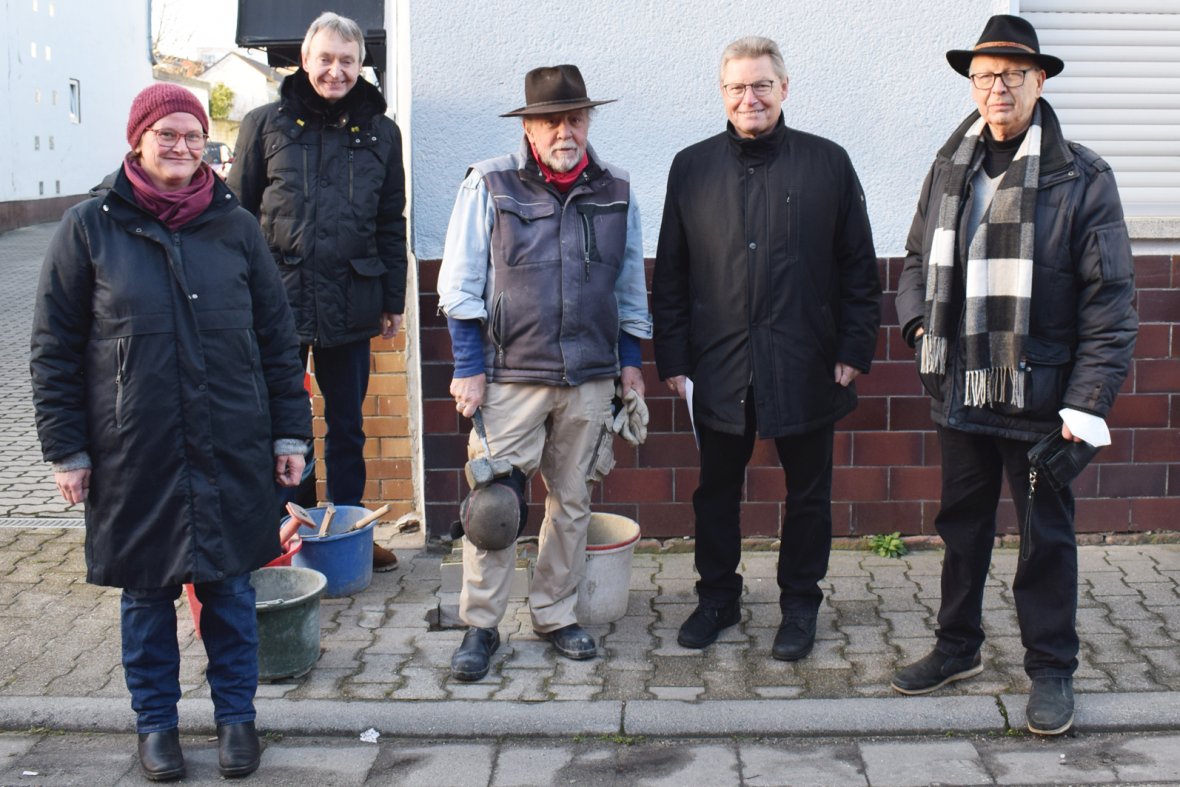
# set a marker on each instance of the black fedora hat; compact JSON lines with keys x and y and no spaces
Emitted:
{"x":1005,"y":34}
{"x":554,"y":89}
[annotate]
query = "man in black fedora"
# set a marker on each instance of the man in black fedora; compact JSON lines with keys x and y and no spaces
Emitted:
{"x":1017,"y":295}
{"x":543,"y":287}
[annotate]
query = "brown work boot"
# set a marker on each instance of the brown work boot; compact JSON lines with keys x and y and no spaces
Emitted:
{"x":383,"y":559}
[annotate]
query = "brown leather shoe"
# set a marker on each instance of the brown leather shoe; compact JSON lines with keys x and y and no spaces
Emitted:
{"x":383,"y":559}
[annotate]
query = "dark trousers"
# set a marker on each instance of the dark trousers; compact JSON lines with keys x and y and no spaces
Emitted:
{"x":151,"y":655}
{"x":1046,"y":584}
{"x":806,"y":537}
{"x":342,"y":374}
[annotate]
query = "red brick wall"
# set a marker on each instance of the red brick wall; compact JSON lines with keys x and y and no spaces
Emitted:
{"x":886,"y":453}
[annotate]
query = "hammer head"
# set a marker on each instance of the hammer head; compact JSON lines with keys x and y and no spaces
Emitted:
{"x":484,"y":470}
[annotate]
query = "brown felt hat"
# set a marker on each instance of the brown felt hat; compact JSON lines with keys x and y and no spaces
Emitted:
{"x":1005,"y":34}
{"x":554,"y":89}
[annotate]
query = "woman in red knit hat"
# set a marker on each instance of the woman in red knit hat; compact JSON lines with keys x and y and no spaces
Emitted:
{"x":169,"y":399}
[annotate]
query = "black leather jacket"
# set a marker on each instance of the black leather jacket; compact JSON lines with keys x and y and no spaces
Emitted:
{"x":1082,"y":324}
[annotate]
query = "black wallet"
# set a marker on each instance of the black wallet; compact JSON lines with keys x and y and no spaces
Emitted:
{"x":1059,"y":461}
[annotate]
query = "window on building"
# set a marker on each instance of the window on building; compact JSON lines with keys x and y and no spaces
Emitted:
{"x":1120,"y":91}
{"x":75,"y":101}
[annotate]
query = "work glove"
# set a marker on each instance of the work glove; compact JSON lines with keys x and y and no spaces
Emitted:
{"x":631,"y":419}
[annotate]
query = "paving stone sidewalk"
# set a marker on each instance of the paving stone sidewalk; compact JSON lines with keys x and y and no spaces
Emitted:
{"x":60,"y":637}
{"x":97,"y":760}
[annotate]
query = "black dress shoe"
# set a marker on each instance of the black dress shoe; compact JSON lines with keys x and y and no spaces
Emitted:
{"x":706,"y":622}
{"x":1050,"y":706}
{"x":160,"y":755}
{"x":795,"y":637}
{"x":571,"y":641}
{"x":935,"y":670}
{"x":238,"y":749}
{"x":473,"y":658}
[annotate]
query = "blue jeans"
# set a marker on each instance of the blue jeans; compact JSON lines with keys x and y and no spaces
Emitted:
{"x":342,"y":374}
{"x":151,"y":655}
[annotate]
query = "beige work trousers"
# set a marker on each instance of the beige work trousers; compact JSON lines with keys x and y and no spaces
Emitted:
{"x":554,"y":429}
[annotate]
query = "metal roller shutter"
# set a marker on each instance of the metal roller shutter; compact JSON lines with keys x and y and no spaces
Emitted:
{"x":1120,"y":91}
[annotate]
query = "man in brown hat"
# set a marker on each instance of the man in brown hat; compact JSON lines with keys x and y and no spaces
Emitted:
{"x":543,"y":287}
{"x":1016,"y":293}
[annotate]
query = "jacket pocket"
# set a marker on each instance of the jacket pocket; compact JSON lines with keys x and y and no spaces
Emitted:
{"x":365,"y":293}
{"x":1045,"y":365}
{"x":604,"y":229}
{"x":521,"y":234}
{"x":122,"y":345}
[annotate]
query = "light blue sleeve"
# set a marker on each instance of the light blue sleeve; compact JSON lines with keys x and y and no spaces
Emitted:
{"x":463,"y":277}
{"x":631,"y":286}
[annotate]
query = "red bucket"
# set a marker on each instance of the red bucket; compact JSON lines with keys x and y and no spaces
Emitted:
{"x":194,"y":604}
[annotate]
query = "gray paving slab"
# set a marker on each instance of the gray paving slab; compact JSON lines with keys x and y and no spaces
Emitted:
{"x":765,"y":765}
{"x":938,"y":762}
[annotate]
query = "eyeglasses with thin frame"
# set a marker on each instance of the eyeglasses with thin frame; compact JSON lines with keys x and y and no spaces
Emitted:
{"x":761,"y":88}
{"x":194,"y":140}
{"x":1014,"y":78}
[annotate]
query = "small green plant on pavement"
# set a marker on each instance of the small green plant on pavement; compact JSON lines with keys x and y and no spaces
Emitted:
{"x":887,"y":544}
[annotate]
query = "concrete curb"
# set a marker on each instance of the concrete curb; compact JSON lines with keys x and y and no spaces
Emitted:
{"x":466,"y":719}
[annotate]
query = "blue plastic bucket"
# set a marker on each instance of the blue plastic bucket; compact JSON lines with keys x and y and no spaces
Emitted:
{"x":344,"y":556}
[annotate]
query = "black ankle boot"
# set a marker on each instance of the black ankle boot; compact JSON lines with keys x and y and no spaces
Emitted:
{"x":473,"y":658}
{"x":238,"y":749}
{"x":160,"y":755}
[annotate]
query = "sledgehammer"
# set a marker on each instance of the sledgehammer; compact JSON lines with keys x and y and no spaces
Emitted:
{"x":481,"y":471}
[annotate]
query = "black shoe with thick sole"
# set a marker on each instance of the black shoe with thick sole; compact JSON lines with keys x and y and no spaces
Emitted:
{"x":935,"y":670}
{"x":706,"y":622}
{"x":795,"y":637}
{"x":160,"y":755}
{"x":238,"y":749}
{"x":571,"y":641}
{"x":1050,"y":706}
{"x":473,"y":657}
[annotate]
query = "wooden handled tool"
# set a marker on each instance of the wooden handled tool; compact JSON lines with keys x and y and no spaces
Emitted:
{"x":331,"y":512}
{"x":371,"y":516}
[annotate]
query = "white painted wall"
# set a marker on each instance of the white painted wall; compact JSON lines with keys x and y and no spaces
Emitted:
{"x":870,"y":75}
{"x":104,"y":45}
{"x":251,"y":87}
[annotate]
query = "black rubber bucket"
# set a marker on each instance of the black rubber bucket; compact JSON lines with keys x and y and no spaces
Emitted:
{"x":287,"y":604}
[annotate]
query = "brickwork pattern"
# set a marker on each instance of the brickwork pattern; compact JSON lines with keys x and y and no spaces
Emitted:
{"x":886,"y":452}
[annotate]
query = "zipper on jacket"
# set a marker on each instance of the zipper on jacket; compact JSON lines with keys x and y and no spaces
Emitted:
{"x":120,"y":377}
{"x":350,"y":175}
{"x":497,"y":329}
{"x":586,"y":243}
{"x":306,"y":185}
{"x":253,"y":375}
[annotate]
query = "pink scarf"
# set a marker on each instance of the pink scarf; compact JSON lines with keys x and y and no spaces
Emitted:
{"x":174,"y":208}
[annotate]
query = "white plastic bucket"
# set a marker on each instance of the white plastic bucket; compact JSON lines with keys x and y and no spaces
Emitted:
{"x":603,"y":591}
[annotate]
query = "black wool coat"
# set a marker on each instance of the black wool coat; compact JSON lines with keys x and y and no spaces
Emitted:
{"x":765,"y":277}
{"x":171,"y":359}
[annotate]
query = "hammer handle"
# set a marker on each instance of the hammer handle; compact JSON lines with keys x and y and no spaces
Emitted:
{"x":477,"y":418}
{"x":369,"y":517}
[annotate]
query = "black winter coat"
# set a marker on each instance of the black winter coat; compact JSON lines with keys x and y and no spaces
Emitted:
{"x":1082,"y":323}
{"x":329,"y":190}
{"x":171,"y":358}
{"x":765,"y":276}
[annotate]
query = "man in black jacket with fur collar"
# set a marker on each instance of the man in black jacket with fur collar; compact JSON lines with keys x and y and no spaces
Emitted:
{"x":766,"y":297}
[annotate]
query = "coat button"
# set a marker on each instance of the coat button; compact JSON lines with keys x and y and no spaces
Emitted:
{"x":324,"y":183}
{"x":753,"y":245}
{"x":750,"y":171}
{"x":193,"y":296}
{"x":202,"y":387}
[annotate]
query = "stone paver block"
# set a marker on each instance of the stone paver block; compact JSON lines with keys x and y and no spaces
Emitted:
{"x":951,"y":762}
{"x":1149,"y":759}
{"x":799,"y":766}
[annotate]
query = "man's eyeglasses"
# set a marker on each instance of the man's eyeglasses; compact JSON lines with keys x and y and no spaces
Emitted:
{"x":738,"y":89}
{"x":1013,"y":78}
{"x":195,"y":140}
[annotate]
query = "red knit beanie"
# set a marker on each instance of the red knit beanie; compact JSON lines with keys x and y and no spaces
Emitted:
{"x":160,"y":100}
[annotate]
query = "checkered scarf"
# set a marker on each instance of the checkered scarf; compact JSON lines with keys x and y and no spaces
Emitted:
{"x":998,"y":274}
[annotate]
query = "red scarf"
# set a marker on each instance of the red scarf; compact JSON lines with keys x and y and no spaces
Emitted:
{"x":174,"y":208}
{"x":562,"y":180}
